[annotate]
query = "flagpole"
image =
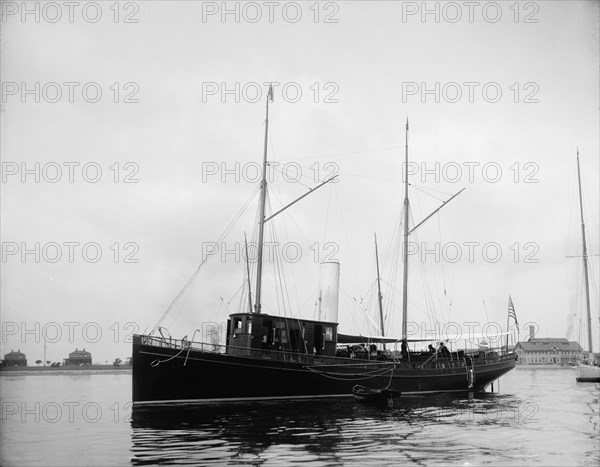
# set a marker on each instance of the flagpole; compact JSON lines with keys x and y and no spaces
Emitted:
{"x":507,"y":323}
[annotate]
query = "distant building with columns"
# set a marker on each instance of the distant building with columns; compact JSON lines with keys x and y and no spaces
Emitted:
{"x":547,"y":350}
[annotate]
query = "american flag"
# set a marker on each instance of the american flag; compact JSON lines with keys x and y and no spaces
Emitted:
{"x":511,"y":310}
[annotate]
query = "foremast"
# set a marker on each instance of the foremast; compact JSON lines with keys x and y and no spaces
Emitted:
{"x":408,"y":231}
{"x":585,"y":263}
{"x":261,"y":219}
{"x":405,"y":244}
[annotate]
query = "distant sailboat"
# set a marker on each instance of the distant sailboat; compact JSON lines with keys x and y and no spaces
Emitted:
{"x":589,"y":372}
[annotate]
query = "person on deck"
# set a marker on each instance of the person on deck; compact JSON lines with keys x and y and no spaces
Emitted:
{"x":404,"y":348}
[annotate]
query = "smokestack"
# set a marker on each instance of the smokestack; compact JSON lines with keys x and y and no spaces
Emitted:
{"x":329,"y":287}
{"x":531,"y":332}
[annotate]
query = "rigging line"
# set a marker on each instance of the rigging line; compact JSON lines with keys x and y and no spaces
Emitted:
{"x":235,"y":293}
{"x":468,"y":229}
{"x":414,"y":303}
{"x":426,"y":189}
{"x":184,"y":301}
{"x":425,"y":290}
{"x":309,"y":299}
{"x":296,"y":224}
{"x":277,"y":278}
{"x":357,"y":282}
{"x":425,"y":281}
{"x":354,"y":303}
{"x":369,"y":320}
{"x":197,"y":271}
{"x":453,"y":267}
{"x":371,"y":177}
{"x":280,"y":278}
{"x":280,"y":275}
{"x":294,"y":180}
{"x":442,"y":261}
{"x":362,"y":376}
{"x":389,"y":148}
{"x":291,"y":267}
{"x":253,"y":241}
{"x":429,"y":194}
{"x":395,"y":248}
{"x":326,"y":223}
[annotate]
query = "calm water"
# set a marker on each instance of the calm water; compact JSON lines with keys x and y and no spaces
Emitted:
{"x":539,"y":417}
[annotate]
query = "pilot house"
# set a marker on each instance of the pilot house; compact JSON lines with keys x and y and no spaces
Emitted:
{"x":247,"y":332}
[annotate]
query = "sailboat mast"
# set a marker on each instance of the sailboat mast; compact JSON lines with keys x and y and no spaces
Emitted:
{"x":248,"y":274}
{"x":585,"y":263}
{"x":379,"y":295}
{"x":261,"y":220}
{"x":405,"y":246}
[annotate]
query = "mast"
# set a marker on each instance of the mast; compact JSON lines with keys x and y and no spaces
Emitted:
{"x":261,"y":220}
{"x":248,"y":274}
{"x":405,"y":252}
{"x":379,"y":295}
{"x":585,"y":263}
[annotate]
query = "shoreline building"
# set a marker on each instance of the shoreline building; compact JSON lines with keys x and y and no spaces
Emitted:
{"x":14,"y":359}
{"x":78,"y":357}
{"x":548,"y":351}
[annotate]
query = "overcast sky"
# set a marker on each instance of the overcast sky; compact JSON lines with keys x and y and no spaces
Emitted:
{"x":498,"y":95}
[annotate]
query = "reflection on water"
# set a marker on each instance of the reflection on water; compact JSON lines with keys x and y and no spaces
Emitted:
{"x":434,"y":430}
{"x":540,"y":417}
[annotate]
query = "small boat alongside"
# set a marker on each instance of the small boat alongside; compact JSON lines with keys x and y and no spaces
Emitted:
{"x":365,"y":394}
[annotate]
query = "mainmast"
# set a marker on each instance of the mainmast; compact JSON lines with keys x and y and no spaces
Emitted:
{"x":585,"y":263}
{"x":379,"y":295}
{"x":261,"y":220}
{"x":248,"y":274}
{"x":406,"y":232}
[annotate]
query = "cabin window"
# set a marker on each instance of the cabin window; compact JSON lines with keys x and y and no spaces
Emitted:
{"x":249,"y":326}
{"x":237,"y":325}
{"x":328,"y":333}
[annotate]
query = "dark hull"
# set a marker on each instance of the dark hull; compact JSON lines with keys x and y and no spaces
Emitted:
{"x":588,"y":374}
{"x":163,"y":374}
